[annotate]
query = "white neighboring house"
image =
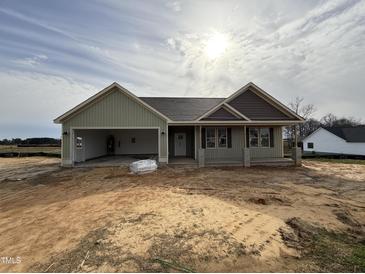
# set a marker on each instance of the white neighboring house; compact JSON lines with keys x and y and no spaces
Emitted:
{"x":337,"y":140}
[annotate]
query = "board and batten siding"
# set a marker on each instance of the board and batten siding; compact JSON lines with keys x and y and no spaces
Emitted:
{"x":234,"y":154}
{"x":114,"y":110}
{"x":270,"y":152}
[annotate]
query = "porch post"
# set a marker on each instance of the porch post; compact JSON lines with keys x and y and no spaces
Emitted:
{"x":295,"y":136}
{"x":296,"y":151}
{"x":201,"y":151}
{"x":246,"y":158}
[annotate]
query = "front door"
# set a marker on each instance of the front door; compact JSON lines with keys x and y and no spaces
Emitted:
{"x":180,"y":144}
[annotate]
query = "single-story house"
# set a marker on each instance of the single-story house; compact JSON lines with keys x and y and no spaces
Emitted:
{"x":336,"y":140}
{"x":241,"y":129}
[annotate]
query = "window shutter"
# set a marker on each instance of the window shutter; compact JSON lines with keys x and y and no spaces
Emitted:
{"x":247,"y":137}
{"x":229,"y":137}
{"x":203,"y":137}
{"x":271,"y":137}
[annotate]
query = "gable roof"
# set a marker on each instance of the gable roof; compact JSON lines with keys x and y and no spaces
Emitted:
{"x":193,"y":109}
{"x":182,"y":108}
{"x":223,"y":114}
{"x":349,"y":134}
{"x":269,"y":101}
{"x":101,"y":93}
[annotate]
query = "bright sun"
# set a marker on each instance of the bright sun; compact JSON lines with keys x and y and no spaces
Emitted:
{"x":216,"y":45}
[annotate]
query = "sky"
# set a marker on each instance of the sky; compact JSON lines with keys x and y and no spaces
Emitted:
{"x":55,"y":54}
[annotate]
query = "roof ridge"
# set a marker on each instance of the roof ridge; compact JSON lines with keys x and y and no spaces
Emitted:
{"x":180,"y":97}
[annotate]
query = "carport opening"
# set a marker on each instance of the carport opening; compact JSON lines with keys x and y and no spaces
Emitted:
{"x":114,"y":146}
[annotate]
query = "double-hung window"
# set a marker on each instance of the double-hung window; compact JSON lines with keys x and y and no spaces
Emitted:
{"x":264,"y":137}
{"x":216,"y":137}
{"x":259,"y":137}
{"x":211,"y":137}
{"x":222,"y":137}
{"x":254,"y":137}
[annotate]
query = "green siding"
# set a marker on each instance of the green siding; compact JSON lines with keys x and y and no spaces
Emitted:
{"x":234,"y":154}
{"x":270,"y":152}
{"x":115,"y":109}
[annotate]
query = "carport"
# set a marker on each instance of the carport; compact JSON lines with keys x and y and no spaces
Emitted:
{"x":113,"y":146}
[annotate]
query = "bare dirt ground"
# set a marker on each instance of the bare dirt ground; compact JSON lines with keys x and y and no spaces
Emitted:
{"x":180,"y":219}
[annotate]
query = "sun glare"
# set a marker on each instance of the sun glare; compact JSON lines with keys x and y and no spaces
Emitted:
{"x":216,"y":45}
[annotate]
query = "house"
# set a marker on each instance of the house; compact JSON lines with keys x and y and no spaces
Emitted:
{"x":336,"y":140}
{"x":243,"y":129}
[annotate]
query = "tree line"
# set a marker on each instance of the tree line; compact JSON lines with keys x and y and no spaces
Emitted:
{"x":311,"y":124}
{"x":31,"y":141}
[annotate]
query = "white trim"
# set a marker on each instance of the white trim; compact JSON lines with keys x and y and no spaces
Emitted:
{"x":239,"y":114}
{"x":71,"y":112}
{"x":72,"y":146}
{"x":316,"y":131}
{"x":216,"y":137}
{"x":259,"y":138}
{"x":329,"y":132}
{"x":226,"y":107}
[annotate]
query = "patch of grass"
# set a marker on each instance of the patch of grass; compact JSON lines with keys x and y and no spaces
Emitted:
{"x":328,"y":250}
{"x":9,"y":149}
{"x":357,"y":258}
{"x":337,"y":252}
{"x":338,"y":161}
{"x":15,"y":151}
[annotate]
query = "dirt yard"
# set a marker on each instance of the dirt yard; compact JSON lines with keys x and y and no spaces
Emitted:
{"x":259,"y":219}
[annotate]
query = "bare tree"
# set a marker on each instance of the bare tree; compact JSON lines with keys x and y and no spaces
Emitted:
{"x":330,"y":120}
{"x":306,"y":111}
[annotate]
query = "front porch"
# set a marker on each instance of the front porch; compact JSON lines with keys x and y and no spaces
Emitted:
{"x":182,"y":145}
{"x":227,"y":145}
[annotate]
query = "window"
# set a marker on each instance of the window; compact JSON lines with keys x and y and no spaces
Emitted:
{"x":310,"y":145}
{"x":264,"y":137}
{"x":259,"y":137}
{"x":79,"y":142}
{"x":210,"y":137}
{"x":254,"y":137}
{"x":222,"y":137}
{"x":216,"y":137}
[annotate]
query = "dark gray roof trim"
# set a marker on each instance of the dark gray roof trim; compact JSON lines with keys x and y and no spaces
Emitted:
{"x":182,"y":109}
{"x":349,"y":134}
{"x":256,"y":108}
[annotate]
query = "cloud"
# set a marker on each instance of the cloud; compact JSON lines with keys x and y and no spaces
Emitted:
{"x":311,"y":57}
{"x":174,"y":5}
{"x":314,"y":49}
{"x":33,"y":100}
{"x":31,"y":61}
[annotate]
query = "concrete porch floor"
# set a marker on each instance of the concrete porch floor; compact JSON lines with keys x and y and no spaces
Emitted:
{"x":112,"y":161}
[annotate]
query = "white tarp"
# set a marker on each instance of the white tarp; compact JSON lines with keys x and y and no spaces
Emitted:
{"x":143,"y":166}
